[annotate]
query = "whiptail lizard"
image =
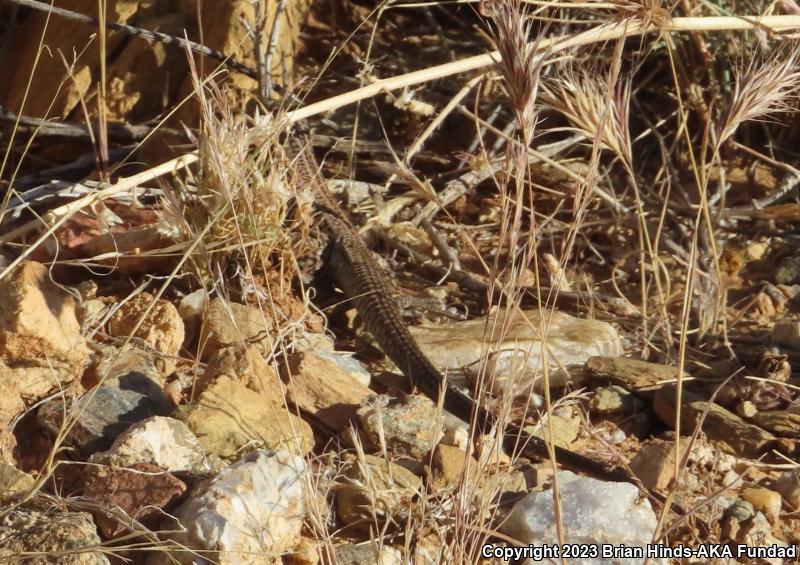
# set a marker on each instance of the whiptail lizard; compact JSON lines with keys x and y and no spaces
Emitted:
{"x":358,"y":274}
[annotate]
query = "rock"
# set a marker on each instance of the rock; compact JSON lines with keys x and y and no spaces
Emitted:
{"x":129,"y":246}
{"x":159,"y":324}
{"x":448,"y":465}
{"x":565,"y":430}
{"x":788,"y":485}
{"x":107,"y":410}
{"x":136,"y":494}
{"x":593,"y":512}
{"x":615,"y":401}
{"x":788,"y":272}
{"x":243,"y":364}
{"x":786,"y":334}
{"x":374,"y":490}
{"x":306,"y":552}
{"x":11,"y":406}
{"x":367,"y":554}
{"x":250,"y":513}
{"x":742,"y":524}
{"x":634,"y":375}
{"x":229,"y":323}
{"x":114,"y":362}
{"x":746,"y":409}
{"x":13,"y":481}
{"x":570,"y":342}
{"x":318,"y":385}
{"x":25,"y":530}
{"x":348,"y":364}
{"x":654,"y":465}
{"x":228,"y":417}
{"x":765,"y":500}
{"x":407,"y":425}
{"x":783,"y":423}
{"x":191,"y":308}
{"x":40,"y":338}
{"x":725,"y":428}
{"x":161,"y":441}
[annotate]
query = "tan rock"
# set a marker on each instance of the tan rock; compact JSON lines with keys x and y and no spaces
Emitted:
{"x":243,"y":364}
{"x":515,"y":360}
{"x":565,"y":430}
{"x":763,"y":499}
{"x":631,"y":374}
{"x":40,"y":339}
{"x":780,"y":422}
{"x":306,"y":552}
{"x":725,"y":428}
{"x":13,"y":481}
{"x":321,"y":387}
{"x":448,"y":466}
{"x":230,"y":324}
{"x":159,"y":324}
{"x":138,"y":492}
{"x":11,"y":406}
{"x":654,"y":465}
{"x":374,"y":490}
{"x":229,"y":417}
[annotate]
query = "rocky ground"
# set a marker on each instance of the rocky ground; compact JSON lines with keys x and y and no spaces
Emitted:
{"x":173,"y":390}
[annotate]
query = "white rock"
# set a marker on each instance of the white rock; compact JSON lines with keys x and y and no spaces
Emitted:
{"x":593,"y":512}
{"x":162,"y":441}
{"x":515,"y":359}
{"x":250,"y":513}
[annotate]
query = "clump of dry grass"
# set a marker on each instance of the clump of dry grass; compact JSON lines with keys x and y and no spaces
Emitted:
{"x":764,"y":88}
{"x":520,"y":63}
{"x":584,"y":99}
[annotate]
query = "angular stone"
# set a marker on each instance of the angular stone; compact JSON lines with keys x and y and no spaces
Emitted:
{"x":615,"y":401}
{"x":231,"y":324}
{"x":246,"y":365}
{"x":228,"y":417}
{"x":25,"y":530}
{"x":448,"y":466}
{"x":654,"y":465}
{"x":764,"y":500}
{"x":164,"y":442}
{"x":367,"y":554}
{"x":565,"y":430}
{"x":321,"y":387}
{"x":374,"y":490}
{"x":11,"y":406}
{"x":13,"y":481}
{"x":631,"y":374}
{"x":593,"y":512}
{"x":159,"y":324}
{"x":780,"y":422}
{"x":723,"y":427}
{"x":40,"y":338}
{"x":107,"y":410}
{"x":138,"y":492}
{"x":516,"y":360}
{"x":409,"y":426}
{"x":251,"y":513}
